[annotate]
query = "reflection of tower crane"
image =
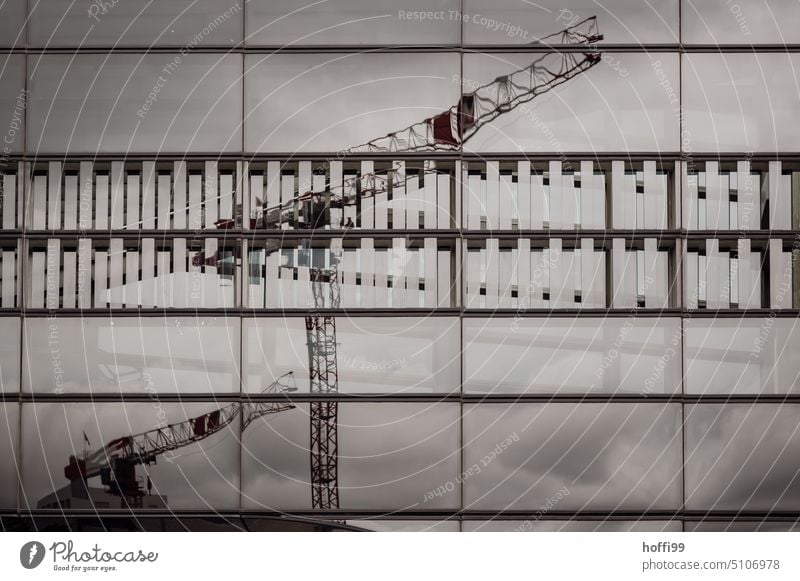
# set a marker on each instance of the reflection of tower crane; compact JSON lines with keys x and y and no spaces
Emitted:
{"x":448,"y":130}
{"x":116,"y":462}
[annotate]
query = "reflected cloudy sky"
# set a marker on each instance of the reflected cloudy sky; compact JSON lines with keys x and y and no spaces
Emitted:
{"x":620,"y":21}
{"x":390,"y":456}
{"x":746,"y":356}
{"x":9,"y":438}
{"x":134,"y":22}
{"x":745,"y":22}
{"x":9,"y":354}
{"x":562,"y":356}
{"x":581,"y":114}
{"x":605,"y":456}
{"x":375,"y":355}
{"x":329,"y":102}
{"x":546,"y":526}
{"x":132,"y":355}
{"x":742,"y":457}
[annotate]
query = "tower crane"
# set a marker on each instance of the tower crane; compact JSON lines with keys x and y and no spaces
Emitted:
{"x":116,"y":461}
{"x":448,"y":130}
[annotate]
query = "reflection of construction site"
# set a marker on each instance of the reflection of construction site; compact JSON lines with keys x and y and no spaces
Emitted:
{"x":116,"y":462}
{"x":324,"y":205}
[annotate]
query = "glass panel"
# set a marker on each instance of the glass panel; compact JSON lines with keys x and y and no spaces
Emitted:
{"x":135,"y":103}
{"x":375,"y":355}
{"x":194,"y":23}
{"x":740,"y":102}
{"x":577,"y":114}
{"x":378,"y":22}
{"x":327,"y":102}
{"x":406,"y":526}
{"x":521,"y":22}
{"x":520,"y":195}
{"x":9,"y":354}
{"x":132,"y":195}
{"x":10,"y":271}
{"x":199,"y":475}
{"x":12,"y":24}
{"x":131,"y":355}
{"x":350,"y":273}
{"x":735,"y":196}
{"x":740,"y":22}
{"x":742,"y":526}
{"x":566,"y":274}
{"x":132,"y":273}
{"x":565,"y":356}
{"x":577,"y":526}
{"x":741,"y":356}
{"x":572,"y":456}
{"x":391,"y":456}
{"x":14,"y":101}
{"x":9,"y":454}
{"x":741,"y":457}
{"x":352,"y":195}
{"x":11,"y":186}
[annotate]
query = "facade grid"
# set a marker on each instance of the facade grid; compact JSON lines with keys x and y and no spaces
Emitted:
{"x":583,"y":318}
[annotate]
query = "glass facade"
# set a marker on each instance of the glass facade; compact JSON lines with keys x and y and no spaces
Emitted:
{"x":583,"y":317}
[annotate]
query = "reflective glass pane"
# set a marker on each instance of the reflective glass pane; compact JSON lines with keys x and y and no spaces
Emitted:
{"x":391,"y":456}
{"x":11,"y":187}
{"x":375,"y":355}
{"x":14,"y":102}
{"x":742,"y":457}
{"x":740,"y":102}
{"x":190,"y":23}
{"x":12,"y":24}
{"x":743,"y":526}
{"x":577,"y":114}
{"x":739,"y":356}
{"x":351,"y":273}
{"x":332,"y":102}
{"x":72,"y":438}
{"x":378,"y":22}
{"x":406,"y":526}
{"x":9,"y":454}
{"x":337,"y":195}
{"x":131,"y":355}
{"x":131,"y":195}
{"x":565,"y":356}
{"x":521,"y":22}
{"x":740,"y":22}
{"x":128,"y":103}
{"x":576,"y":526}
{"x":132,"y":273}
{"x":9,"y":354}
{"x":586,"y":456}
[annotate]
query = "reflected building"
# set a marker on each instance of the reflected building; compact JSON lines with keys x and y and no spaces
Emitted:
{"x":262,"y":251}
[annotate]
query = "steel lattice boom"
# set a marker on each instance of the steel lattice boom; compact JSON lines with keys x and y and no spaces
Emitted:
{"x":146,"y":447}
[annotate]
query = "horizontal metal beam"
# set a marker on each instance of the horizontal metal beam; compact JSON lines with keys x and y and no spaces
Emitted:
{"x":439,"y":155}
{"x":552,"y":515}
{"x":465,"y":398}
{"x":247,"y":313}
{"x":242,"y":48}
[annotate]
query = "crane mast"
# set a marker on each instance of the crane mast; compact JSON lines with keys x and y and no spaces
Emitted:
{"x":324,"y":381}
